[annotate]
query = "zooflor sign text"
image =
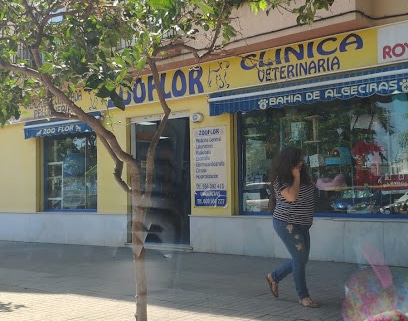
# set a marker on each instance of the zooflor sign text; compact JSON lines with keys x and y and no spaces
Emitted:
{"x":60,"y":129}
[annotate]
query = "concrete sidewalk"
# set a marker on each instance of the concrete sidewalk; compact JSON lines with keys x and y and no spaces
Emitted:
{"x":67,"y":282}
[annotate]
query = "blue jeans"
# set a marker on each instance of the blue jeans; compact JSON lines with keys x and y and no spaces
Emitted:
{"x":297,"y":240}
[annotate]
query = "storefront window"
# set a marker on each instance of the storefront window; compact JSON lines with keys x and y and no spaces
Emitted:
{"x":357,"y":153}
{"x":70,"y":172}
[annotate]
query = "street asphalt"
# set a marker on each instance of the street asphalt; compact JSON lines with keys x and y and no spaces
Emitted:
{"x":41,"y":282}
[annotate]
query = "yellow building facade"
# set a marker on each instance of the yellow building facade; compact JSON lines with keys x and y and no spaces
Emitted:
{"x":321,"y":90}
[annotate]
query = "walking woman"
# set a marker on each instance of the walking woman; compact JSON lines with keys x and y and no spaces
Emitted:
{"x":292,"y":218}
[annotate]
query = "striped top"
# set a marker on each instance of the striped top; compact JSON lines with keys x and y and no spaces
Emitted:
{"x":297,"y":212}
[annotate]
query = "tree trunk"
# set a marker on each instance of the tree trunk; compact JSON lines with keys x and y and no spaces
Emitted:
{"x":141,"y":286}
{"x":142,"y":201}
{"x":139,"y":254}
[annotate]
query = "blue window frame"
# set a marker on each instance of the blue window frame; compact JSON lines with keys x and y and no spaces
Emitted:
{"x":357,"y":154}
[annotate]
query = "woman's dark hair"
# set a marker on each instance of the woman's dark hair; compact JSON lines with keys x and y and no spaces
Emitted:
{"x":282,"y":167}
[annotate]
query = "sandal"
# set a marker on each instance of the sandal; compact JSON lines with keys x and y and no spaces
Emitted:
{"x":273,"y":286}
{"x":307,"y":302}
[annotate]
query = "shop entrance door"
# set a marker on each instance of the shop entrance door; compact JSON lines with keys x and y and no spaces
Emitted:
{"x":168,"y":218}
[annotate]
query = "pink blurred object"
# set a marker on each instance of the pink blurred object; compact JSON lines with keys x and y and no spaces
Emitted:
{"x":327,"y":183}
{"x":377,"y":262}
{"x":393,"y":315}
{"x":365,"y":296}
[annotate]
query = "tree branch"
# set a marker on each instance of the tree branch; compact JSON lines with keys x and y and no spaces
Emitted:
{"x":19,"y":68}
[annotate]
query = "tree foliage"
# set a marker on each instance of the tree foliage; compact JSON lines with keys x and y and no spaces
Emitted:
{"x":74,"y":43}
{"x":50,"y":48}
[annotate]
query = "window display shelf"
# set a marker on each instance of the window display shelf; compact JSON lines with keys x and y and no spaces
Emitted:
{"x":54,"y":184}
{"x":70,"y":172}
{"x":358,"y":149}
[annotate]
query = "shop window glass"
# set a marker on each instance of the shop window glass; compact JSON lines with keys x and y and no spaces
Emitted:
{"x":357,"y":153}
{"x":70,"y":172}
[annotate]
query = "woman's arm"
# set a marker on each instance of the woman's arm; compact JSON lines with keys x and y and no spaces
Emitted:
{"x":291,"y":193}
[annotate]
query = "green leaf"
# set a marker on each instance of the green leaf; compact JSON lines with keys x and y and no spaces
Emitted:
{"x":117,"y":100}
{"x":46,"y":68}
{"x":103,"y":92}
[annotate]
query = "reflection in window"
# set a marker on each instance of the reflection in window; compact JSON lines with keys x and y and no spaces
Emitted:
{"x":357,"y":153}
{"x":70,"y":171}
